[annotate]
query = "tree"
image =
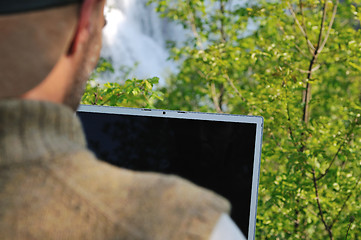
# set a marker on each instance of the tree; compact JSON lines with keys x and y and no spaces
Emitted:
{"x":129,"y":93}
{"x":300,"y":70}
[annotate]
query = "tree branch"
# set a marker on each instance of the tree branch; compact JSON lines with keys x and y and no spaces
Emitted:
{"x":308,"y":71}
{"x":352,"y":219}
{"x":234,"y":87}
{"x":331,"y":163}
{"x":306,"y":100}
{"x":215,"y":98}
{"x":289,"y":120}
{"x":310,"y":45}
{"x":344,"y":141}
{"x":348,"y":229}
{"x":192,"y":22}
{"x":307,"y":92}
{"x":223,"y":33}
{"x":300,"y":50}
{"x":344,"y":204}
{"x":320,"y":212}
{"x":304,"y":25}
{"x":96,"y":95}
{"x":329,"y":26}
{"x":221,"y":96}
{"x":321,"y":30}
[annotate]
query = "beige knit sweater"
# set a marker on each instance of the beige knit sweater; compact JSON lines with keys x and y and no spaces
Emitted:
{"x":51,"y":187}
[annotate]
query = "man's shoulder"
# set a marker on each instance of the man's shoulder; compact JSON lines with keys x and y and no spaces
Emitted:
{"x":158,"y":205}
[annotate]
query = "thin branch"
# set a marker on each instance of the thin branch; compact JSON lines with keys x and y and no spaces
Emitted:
{"x":348,"y":229}
{"x":344,"y":142}
{"x":289,"y":120}
{"x":201,"y":73}
{"x":308,"y":71}
{"x":322,"y":27}
{"x":344,"y":204}
{"x":302,"y":15}
{"x":307,"y":92}
{"x":221,"y":96}
{"x":306,"y":100}
{"x":312,"y":212}
{"x":147,"y":99}
{"x":107,"y":100}
{"x":332,"y":161}
{"x":192,"y":22}
{"x":303,"y":23}
{"x":297,"y":220}
{"x":329,"y":26}
{"x":234,"y":87}
{"x":223,"y":33}
{"x":96,"y":96}
{"x":340,"y":211}
{"x":300,"y":50}
{"x":96,"y":99}
{"x":215,"y":98}
{"x":310,"y":45}
{"x":352,"y":219}
{"x":320,"y":211}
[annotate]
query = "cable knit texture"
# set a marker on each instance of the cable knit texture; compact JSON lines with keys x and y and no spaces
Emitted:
{"x":52,"y":187}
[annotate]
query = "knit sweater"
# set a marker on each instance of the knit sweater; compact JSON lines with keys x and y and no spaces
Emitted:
{"x":52,"y":187}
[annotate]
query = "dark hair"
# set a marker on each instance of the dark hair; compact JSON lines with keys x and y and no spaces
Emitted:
{"x":17,"y":6}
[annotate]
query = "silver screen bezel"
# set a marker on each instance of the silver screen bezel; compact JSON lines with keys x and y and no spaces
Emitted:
{"x":208,"y":117}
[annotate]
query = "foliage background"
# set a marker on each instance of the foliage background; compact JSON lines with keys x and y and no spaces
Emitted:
{"x":301,"y":71}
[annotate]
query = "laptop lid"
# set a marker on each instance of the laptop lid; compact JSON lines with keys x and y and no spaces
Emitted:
{"x":220,"y":152}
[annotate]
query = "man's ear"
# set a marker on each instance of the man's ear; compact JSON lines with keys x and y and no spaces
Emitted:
{"x":81,"y":34}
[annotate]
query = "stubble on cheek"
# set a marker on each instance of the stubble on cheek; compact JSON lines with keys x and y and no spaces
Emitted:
{"x":90,"y":58}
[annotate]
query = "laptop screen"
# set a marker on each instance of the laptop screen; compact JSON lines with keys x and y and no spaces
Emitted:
{"x":208,"y":149}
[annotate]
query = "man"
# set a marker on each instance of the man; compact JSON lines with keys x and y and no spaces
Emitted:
{"x":51,"y":186}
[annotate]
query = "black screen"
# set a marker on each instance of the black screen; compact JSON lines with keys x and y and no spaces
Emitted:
{"x":216,"y":155}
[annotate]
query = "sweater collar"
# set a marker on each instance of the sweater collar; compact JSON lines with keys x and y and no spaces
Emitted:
{"x":36,"y":130}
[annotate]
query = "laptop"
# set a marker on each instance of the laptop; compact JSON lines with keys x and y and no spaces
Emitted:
{"x":220,"y":152}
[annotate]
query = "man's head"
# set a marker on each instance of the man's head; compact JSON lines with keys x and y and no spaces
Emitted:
{"x":49,"y":48}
